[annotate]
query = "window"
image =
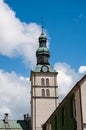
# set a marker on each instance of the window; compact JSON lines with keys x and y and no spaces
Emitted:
{"x":43,"y":92}
{"x":47,"y":92}
{"x":42,"y":82}
{"x":74,"y":107}
{"x":56,"y":122}
{"x":63,"y":116}
{"x":47,"y":82}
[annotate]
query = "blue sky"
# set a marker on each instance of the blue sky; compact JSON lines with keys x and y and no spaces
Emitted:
{"x":20,"y":26}
{"x":65,"y":22}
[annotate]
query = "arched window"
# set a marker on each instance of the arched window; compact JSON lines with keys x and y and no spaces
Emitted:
{"x":47,"y":92}
{"x":43,"y":92}
{"x":47,"y":82}
{"x":42,"y":82}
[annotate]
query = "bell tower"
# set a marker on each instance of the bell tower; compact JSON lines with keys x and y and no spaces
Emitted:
{"x":43,"y":86}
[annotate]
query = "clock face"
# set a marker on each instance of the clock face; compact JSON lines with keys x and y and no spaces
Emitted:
{"x":44,"y":68}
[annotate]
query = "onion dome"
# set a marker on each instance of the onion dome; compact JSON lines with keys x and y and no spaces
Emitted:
{"x":42,"y":50}
{"x":42,"y":38}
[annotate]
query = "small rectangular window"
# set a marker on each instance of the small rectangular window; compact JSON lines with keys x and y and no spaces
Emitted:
{"x":47,"y":82}
{"x":42,"y":82}
{"x":63,"y":116}
{"x":43,"y":92}
{"x":56,"y":122}
{"x":47,"y":93}
{"x":73,"y":107}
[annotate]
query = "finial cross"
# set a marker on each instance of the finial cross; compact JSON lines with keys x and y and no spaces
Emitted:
{"x":42,"y":24}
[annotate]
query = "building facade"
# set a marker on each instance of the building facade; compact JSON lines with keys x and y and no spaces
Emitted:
{"x":43,"y":86}
{"x":71,"y":112}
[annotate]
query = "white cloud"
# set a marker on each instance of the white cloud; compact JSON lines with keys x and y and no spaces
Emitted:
{"x":17,"y":38}
{"x":14,"y":95}
{"x":67,"y":77}
{"x":82,"y":69}
{"x":15,"y":89}
{"x":79,"y":18}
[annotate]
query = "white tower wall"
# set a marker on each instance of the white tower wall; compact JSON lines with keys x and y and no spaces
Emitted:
{"x":42,"y":106}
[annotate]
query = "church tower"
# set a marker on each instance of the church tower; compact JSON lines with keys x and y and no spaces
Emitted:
{"x":43,"y":86}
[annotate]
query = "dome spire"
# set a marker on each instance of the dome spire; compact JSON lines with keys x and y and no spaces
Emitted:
{"x":42,"y":25}
{"x":42,"y":37}
{"x":42,"y":52}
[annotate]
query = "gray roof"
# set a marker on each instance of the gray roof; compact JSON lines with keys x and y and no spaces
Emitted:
{"x":38,"y":68}
{"x":15,"y":124}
